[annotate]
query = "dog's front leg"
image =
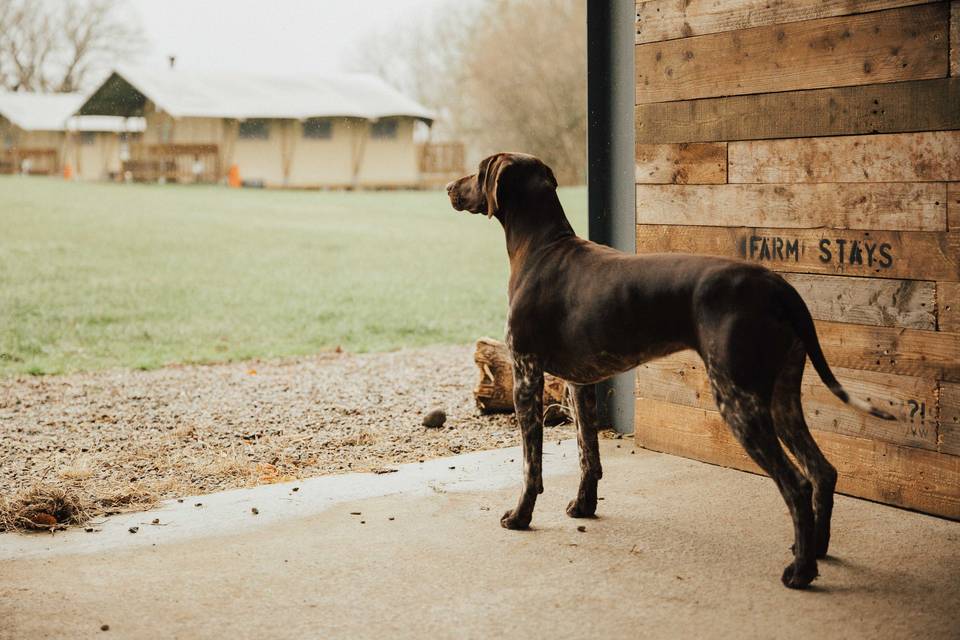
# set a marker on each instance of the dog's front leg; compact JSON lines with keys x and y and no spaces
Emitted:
{"x":584,"y":398}
{"x":528,"y":402}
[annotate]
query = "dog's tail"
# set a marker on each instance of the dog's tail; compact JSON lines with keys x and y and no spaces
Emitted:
{"x":803,"y":325}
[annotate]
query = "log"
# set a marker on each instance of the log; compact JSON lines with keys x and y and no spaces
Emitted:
{"x":494,"y":392}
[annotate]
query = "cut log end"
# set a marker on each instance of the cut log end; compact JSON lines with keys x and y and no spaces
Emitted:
{"x":494,"y":391}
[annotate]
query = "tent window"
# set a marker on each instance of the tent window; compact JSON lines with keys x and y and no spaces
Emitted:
{"x":87,"y":137}
{"x":384,"y":129}
{"x":318,"y":128}
{"x":255,"y":129}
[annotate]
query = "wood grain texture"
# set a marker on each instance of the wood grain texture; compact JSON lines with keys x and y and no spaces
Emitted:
{"x":934,"y":355}
{"x":878,"y":302}
{"x":494,"y":390}
{"x":872,"y":469}
{"x":950,"y":418}
{"x":900,"y":157}
{"x":883,"y":206}
{"x":953,"y":206}
{"x":681,"y":379}
{"x":659,"y":20}
{"x":909,"y":43}
{"x":924,"y":105}
{"x":909,"y":255}
{"x":955,"y":38}
{"x":948,"y":306}
{"x":697,"y":163}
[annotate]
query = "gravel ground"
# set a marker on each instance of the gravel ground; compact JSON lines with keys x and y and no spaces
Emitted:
{"x":127,"y":438}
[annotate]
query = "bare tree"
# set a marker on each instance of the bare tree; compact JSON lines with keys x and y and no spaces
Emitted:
{"x":524,"y":82}
{"x":57,"y":45}
{"x":503,"y":74}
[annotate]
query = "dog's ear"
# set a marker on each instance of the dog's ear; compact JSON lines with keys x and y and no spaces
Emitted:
{"x":491,"y":168}
{"x":548,"y":174}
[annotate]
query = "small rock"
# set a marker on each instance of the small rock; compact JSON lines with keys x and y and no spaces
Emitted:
{"x":89,"y":529}
{"x":355,"y":513}
{"x":104,"y":627}
{"x":296,"y":489}
{"x":254,"y":511}
{"x":179,"y":499}
{"x":390,"y":518}
{"x":363,"y":522}
{"x":133,"y":529}
{"x":199,"y":504}
{"x":155,"y":521}
{"x":435,"y":419}
{"x":581,"y":528}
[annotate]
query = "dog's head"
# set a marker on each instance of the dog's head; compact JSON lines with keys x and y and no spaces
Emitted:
{"x":499,"y":179}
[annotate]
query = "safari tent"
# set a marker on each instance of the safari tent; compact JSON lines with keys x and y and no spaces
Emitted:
{"x":334,"y":131}
{"x":40,"y":135}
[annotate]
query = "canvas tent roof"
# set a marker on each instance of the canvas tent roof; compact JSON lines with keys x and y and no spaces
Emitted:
{"x":54,"y":112}
{"x":246,"y":95}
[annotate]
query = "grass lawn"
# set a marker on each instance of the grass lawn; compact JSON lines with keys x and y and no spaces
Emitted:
{"x":104,"y":275}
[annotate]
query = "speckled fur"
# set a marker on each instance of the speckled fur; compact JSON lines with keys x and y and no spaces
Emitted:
{"x":528,"y":402}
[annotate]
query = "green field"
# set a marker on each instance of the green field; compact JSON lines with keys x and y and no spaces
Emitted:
{"x":106,"y":275}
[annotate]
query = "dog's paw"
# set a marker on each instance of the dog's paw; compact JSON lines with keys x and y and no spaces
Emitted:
{"x":797,"y":576}
{"x":577,"y":510}
{"x":511,"y":520}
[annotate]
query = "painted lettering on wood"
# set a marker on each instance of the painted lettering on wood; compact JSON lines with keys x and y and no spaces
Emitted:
{"x":914,"y":255}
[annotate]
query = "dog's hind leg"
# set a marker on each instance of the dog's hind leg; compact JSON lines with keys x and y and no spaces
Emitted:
{"x":751,"y":422}
{"x":584,"y":398}
{"x":528,"y":403}
{"x":793,"y":432}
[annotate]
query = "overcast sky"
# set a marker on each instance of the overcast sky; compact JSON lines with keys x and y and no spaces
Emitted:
{"x":288,"y":36}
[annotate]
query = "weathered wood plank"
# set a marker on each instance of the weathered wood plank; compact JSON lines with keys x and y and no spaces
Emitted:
{"x":953,"y":206}
{"x":911,"y":255}
{"x":698,"y":163}
{"x":934,"y":355}
{"x":886,"y":46}
{"x":681,"y":379}
{"x":924,"y":105}
{"x":902,"y":476}
{"x":931,"y":355}
{"x":877,"y":302}
{"x":900,"y":157}
{"x":659,"y":20}
{"x":896,"y":206}
{"x":948,"y":306}
{"x":955,"y":38}
{"x":950,"y":418}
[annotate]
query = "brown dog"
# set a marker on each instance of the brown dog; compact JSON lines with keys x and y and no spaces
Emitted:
{"x":584,"y":312}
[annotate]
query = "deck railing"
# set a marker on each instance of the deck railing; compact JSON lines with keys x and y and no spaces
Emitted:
{"x":38,"y":162}
{"x":183,"y":163}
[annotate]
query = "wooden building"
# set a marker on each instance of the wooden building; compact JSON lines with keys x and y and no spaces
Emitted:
{"x":40,"y":135}
{"x":821,"y":139}
{"x":338,"y":131}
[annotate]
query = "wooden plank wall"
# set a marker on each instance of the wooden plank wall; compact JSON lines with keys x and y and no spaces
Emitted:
{"x":820,"y":138}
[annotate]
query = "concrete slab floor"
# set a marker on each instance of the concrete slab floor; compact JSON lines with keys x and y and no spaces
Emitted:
{"x":681,"y":549}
